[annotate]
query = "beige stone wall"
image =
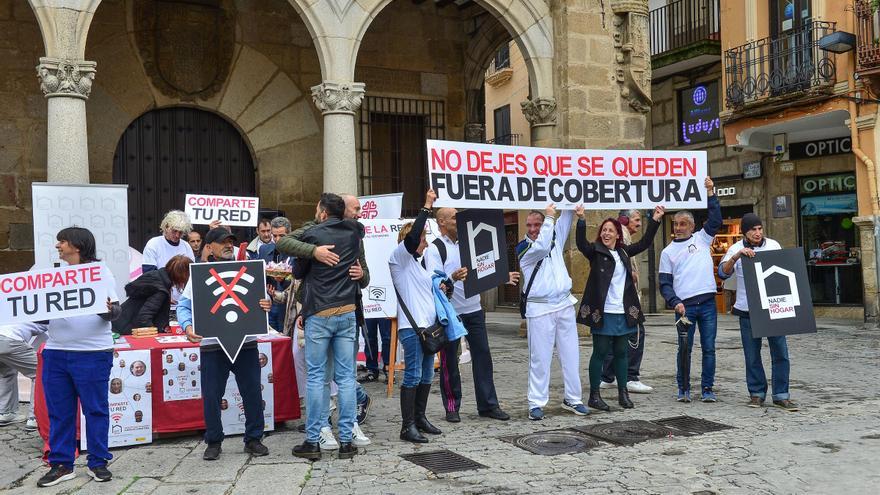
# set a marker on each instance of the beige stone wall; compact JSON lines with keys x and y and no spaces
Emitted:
{"x":511,"y":92}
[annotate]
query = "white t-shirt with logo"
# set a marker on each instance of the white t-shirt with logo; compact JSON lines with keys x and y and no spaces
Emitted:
{"x":462,"y":305}
{"x":690,"y":264}
{"x":87,"y":332}
{"x":413,"y":282}
{"x":742,"y":302}
{"x":614,"y":300}
{"x":158,"y":251}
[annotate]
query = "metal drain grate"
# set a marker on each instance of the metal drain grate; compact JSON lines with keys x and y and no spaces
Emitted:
{"x":627,"y":432}
{"x":691,"y":425}
{"x":442,"y":461}
{"x":553,"y":442}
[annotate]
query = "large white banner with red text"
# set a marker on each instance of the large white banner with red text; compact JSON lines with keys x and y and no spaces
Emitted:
{"x":470,"y":175}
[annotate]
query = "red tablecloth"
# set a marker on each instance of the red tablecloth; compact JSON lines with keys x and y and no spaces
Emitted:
{"x":186,"y":415}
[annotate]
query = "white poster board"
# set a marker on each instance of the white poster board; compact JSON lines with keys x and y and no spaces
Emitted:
{"x":131,"y":403}
{"x":181,"y":373}
{"x":232,"y":406}
{"x":235,"y":211}
{"x":101,"y":208}
{"x":52,"y":293}
{"x":380,"y":239}
{"x":381,"y":206}
{"x":475,"y":175}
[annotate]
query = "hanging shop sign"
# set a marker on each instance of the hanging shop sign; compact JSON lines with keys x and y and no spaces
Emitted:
{"x":698,"y":114}
{"x":822,"y":147}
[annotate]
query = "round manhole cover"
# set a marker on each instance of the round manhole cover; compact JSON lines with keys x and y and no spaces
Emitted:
{"x":628,"y":431}
{"x":556,"y":442}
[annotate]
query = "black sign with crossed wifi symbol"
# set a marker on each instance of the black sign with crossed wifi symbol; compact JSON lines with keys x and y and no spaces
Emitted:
{"x":226,"y":302}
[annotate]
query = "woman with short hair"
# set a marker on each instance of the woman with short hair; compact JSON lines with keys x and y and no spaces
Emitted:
{"x":149,"y":297}
{"x":610,"y":305}
{"x":414,"y":288}
{"x":76,"y":366}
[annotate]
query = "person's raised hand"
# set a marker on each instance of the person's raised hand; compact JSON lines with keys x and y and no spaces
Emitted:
{"x":659,"y":211}
{"x":325,"y":255}
{"x":550,"y":210}
{"x":430,"y":197}
{"x":109,"y":305}
{"x":710,"y":186}
{"x":579,"y":211}
{"x":214,"y":224}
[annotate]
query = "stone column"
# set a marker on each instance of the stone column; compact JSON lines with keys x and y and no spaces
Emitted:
{"x":868,"y":230}
{"x":339,"y":102}
{"x":473,"y":133}
{"x":66,"y":84}
{"x":541,"y":114}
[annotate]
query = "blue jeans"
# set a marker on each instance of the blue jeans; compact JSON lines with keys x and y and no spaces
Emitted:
{"x":68,"y":376}
{"x":382,"y":327}
{"x":215,"y":369}
{"x":704,"y":315}
{"x":756,"y":380}
{"x":276,"y":316}
{"x":326,"y":336}
{"x":419,"y":366}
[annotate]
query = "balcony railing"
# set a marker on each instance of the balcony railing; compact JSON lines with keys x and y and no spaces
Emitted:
{"x":507,"y":140}
{"x":868,"y":33}
{"x":776,"y":67}
{"x":683,"y":23}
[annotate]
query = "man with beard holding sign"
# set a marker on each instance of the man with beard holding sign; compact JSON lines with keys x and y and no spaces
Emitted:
{"x":443,"y":255}
{"x":549,"y":310}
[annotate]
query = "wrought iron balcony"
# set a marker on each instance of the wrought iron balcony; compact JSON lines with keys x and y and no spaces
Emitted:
{"x":868,"y":35}
{"x":776,"y":68}
{"x":507,"y":140}
{"x":683,"y":23}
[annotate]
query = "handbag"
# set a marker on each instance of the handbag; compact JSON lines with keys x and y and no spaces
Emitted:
{"x":432,"y":338}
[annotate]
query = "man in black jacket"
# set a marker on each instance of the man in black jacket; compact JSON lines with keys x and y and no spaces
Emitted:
{"x":330,"y":322}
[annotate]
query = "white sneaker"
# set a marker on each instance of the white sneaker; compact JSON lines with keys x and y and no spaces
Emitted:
{"x":31,"y":424}
{"x":327,"y":441}
{"x":637,"y":387}
{"x":9,"y":418}
{"x":358,"y":439}
{"x":607,"y":385}
{"x":465,"y":357}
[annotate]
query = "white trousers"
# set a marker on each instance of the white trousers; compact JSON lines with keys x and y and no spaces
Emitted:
{"x":557,"y":329}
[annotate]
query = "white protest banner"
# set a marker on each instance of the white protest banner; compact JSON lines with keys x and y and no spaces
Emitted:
{"x":181,"y":375}
{"x":235,"y":211}
{"x":381,"y":206}
{"x":232,"y":405}
{"x":52,"y":293}
{"x":130,"y":400}
{"x":101,"y":208}
{"x":470,"y":175}
{"x":380,"y":239}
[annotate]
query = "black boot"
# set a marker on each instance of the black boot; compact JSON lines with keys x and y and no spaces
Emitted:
{"x":408,"y":430}
{"x":623,"y":398}
{"x":422,"y":423}
{"x":596,"y":402}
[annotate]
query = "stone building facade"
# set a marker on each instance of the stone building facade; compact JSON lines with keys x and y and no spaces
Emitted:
{"x":300,"y":82}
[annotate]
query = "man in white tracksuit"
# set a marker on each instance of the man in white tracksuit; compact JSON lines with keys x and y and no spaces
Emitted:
{"x":550,"y":310}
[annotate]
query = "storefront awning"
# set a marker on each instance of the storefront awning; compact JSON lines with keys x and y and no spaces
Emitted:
{"x":825,"y":125}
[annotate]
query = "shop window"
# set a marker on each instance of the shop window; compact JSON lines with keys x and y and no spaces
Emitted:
{"x":827,"y":205}
{"x":698,"y":120}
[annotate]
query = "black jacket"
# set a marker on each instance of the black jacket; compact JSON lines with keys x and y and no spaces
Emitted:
{"x":592,"y":308}
{"x":148,"y":303}
{"x":330,"y":286}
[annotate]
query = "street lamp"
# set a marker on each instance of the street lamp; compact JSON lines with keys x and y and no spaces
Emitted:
{"x":838,"y":42}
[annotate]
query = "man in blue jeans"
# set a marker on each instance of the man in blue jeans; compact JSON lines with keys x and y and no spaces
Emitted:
{"x":330,"y":323}
{"x":754,"y":241}
{"x":687,"y":282}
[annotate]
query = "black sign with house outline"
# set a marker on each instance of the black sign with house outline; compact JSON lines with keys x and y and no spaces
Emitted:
{"x":778,"y":293}
{"x":483,"y":249}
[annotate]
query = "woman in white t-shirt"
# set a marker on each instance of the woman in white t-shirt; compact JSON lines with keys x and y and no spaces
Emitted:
{"x":76,"y":365}
{"x":413,"y":284}
{"x":611,"y":305}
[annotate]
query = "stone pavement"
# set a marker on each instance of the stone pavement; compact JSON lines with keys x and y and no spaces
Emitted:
{"x":831,"y":446}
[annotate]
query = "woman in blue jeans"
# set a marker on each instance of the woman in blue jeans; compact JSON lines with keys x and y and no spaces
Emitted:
{"x":76,"y":365}
{"x":413,"y":284}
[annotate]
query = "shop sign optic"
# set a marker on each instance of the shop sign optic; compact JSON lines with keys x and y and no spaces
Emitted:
{"x":824,"y":147}
{"x":829,"y":183}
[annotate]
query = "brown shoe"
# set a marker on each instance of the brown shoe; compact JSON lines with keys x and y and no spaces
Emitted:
{"x":786,"y":404}
{"x":756,"y":402}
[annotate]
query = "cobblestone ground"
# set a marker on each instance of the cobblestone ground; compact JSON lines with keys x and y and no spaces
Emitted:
{"x":831,"y":446}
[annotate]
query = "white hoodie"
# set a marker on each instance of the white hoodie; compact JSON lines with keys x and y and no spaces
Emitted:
{"x":551,"y":290}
